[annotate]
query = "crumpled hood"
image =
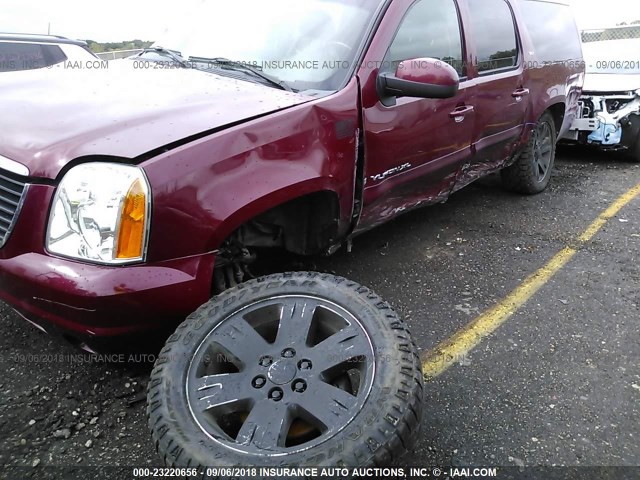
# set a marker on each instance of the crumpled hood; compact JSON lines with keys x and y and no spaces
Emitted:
{"x":49,"y":117}
{"x":609,"y":82}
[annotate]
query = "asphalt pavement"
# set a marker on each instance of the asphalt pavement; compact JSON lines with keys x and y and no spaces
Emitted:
{"x":557,"y":384}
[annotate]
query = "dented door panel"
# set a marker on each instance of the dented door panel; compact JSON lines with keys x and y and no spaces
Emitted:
{"x":415,"y":148}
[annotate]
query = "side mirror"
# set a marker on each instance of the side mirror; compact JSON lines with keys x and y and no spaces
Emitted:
{"x":418,"y":77}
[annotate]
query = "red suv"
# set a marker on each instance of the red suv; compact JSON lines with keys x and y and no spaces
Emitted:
{"x":130,"y":195}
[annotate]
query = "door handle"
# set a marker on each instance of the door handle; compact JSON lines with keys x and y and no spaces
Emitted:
{"x":519,"y":93}
{"x":460,"y":112}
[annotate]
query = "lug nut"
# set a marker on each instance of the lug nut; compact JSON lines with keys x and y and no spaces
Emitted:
{"x":259,"y":382}
{"x":265,"y":361}
{"x":304,"y":365}
{"x":299,"y":386}
{"x":276,"y":394}
{"x":288,"y":353}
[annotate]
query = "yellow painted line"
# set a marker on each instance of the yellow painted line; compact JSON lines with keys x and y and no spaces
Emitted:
{"x":438,"y":360}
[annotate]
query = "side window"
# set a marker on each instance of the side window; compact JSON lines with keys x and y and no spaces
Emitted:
{"x":495,"y":34}
{"x":431,"y":28}
{"x":20,"y":56}
{"x":15,"y":56}
{"x":53,"y":54}
{"x":553,"y":31}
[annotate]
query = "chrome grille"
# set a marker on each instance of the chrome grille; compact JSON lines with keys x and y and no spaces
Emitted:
{"x":11,"y":194}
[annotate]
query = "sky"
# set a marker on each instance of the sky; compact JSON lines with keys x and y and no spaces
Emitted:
{"x":122,"y":20}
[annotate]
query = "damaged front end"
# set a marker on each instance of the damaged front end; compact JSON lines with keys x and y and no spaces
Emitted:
{"x":609,"y":121}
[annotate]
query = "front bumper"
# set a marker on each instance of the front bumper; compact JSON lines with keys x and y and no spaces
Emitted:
{"x":607,"y":120}
{"x":103,"y":301}
{"x":87,"y":300}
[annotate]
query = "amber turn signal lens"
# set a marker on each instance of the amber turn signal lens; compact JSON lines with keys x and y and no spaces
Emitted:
{"x":132,"y":223}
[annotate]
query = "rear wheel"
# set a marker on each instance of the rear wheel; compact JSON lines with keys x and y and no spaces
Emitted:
{"x":289,"y":369}
{"x":532,"y":170}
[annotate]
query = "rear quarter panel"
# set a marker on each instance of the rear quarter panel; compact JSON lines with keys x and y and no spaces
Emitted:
{"x":553,"y":57}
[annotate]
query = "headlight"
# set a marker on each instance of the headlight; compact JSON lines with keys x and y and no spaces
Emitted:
{"x":101,"y":214}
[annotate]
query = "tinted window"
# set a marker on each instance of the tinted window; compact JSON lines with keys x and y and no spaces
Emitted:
{"x":53,"y":54}
{"x":495,"y":34}
{"x":27,"y":56}
{"x":431,"y":28}
{"x":553,"y":31}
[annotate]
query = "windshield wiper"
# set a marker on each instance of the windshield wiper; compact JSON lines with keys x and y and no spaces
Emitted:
{"x":225,"y":63}
{"x":170,"y":53}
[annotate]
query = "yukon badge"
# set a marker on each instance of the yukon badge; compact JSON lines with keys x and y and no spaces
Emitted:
{"x":390,"y":172}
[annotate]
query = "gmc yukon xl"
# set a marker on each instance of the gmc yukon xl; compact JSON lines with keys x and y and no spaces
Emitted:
{"x":130,"y":195}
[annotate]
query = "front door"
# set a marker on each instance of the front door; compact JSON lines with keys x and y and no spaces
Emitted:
{"x":415,"y":148}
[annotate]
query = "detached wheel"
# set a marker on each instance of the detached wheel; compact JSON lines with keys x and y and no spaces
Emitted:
{"x":290,"y":369}
{"x":532,"y":170}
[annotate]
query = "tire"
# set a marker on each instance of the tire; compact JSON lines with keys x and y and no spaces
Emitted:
{"x":363,"y":411}
{"x":531,"y":172}
{"x":635,"y":156}
{"x":631,"y":138}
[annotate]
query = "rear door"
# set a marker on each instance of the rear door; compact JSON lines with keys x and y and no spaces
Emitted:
{"x":502,"y":97}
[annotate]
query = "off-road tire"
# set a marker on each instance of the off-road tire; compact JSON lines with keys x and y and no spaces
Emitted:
{"x":524,"y":175}
{"x":383,"y":429}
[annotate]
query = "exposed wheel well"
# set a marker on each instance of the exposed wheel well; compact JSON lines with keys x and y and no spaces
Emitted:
{"x":304,"y":226}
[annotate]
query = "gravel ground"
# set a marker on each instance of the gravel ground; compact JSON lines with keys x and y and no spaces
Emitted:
{"x":558,"y":384}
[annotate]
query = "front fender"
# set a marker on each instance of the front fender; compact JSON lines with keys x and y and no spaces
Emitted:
{"x":204,"y":190}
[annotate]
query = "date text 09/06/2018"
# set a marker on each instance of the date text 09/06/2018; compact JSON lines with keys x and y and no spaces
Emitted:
{"x":317,"y":472}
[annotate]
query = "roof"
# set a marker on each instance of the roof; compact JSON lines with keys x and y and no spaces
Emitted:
{"x":24,"y":37}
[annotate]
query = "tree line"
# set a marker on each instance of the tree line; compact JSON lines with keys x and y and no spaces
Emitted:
{"x":97,"y":47}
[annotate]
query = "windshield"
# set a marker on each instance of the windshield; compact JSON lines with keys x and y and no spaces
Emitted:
{"x":613,"y":56}
{"x":309,"y":44}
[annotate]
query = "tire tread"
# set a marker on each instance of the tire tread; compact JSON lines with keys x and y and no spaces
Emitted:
{"x":518,"y":177}
{"x":392,"y":441}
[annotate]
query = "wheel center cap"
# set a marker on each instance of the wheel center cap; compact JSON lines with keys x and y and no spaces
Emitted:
{"x":282,"y":371}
